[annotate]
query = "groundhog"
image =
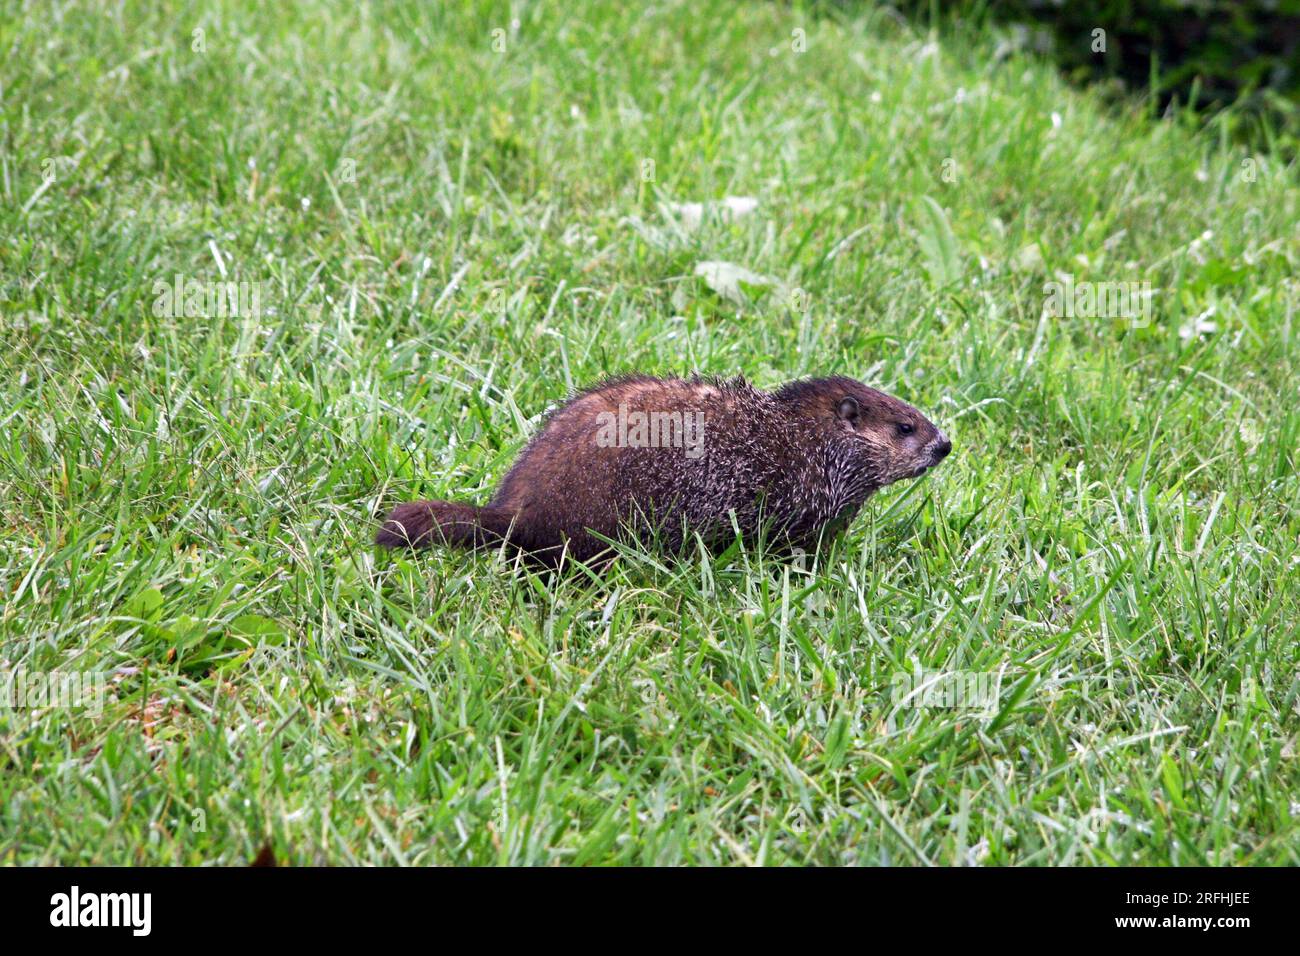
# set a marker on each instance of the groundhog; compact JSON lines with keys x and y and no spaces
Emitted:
{"x":662,"y":461}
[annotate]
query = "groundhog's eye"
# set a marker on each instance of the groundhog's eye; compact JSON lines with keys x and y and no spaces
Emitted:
{"x":905,"y":429}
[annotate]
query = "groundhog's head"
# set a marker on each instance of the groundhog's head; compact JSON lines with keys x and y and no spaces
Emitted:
{"x":881,"y":439}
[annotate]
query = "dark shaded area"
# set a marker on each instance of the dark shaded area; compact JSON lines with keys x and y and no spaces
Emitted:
{"x":1208,"y":54}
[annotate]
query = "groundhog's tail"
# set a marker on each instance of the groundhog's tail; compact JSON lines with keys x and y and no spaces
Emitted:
{"x":423,"y":524}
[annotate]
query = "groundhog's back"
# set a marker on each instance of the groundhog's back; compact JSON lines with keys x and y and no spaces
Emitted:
{"x":568,"y":480}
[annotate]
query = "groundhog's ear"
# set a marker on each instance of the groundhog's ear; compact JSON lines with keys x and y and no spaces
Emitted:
{"x":848,"y":408}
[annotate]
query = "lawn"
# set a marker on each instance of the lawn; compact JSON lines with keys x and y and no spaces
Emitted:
{"x":447,"y":219}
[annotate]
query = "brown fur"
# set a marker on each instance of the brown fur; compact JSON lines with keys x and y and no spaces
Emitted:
{"x":796,"y":463}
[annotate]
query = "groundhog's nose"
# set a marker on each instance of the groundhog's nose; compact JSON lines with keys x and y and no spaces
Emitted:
{"x":944,"y":448}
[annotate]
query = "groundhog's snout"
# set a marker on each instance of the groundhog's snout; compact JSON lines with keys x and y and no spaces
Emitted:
{"x":936,"y":450}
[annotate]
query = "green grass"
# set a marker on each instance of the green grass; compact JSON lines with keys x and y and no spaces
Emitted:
{"x":188,"y":502}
